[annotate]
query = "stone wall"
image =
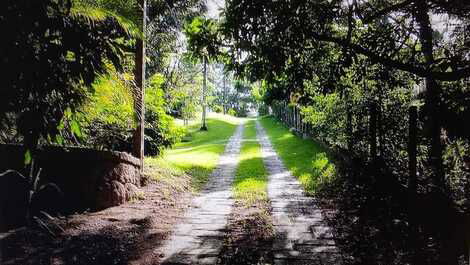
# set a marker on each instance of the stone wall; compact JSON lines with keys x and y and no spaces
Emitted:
{"x":89,"y":180}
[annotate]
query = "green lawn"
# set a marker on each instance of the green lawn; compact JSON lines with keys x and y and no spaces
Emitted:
{"x":304,"y":158}
{"x":250,"y":182}
{"x":199,"y":153}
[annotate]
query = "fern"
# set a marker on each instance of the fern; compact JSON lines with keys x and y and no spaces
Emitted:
{"x":124,"y":13}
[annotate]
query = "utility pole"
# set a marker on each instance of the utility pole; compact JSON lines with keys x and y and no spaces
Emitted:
{"x":204,"y":84}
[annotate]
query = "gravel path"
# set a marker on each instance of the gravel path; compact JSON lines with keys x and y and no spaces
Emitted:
{"x":302,"y":236}
{"x":198,"y":239}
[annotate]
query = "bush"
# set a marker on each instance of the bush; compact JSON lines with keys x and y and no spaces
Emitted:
{"x":160,"y":132}
{"x":101,"y":135}
{"x":61,"y":55}
{"x":217,"y":108}
{"x":110,"y":122}
{"x":263,"y":110}
{"x":232,"y":112}
{"x":242,"y":113}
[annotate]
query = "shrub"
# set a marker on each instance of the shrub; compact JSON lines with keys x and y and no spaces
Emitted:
{"x":232,"y":112}
{"x":109,"y":117}
{"x":217,"y":108}
{"x":61,"y":55}
{"x":263,"y":110}
{"x":101,"y":135}
{"x":160,"y":132}
{"x":242,"y":112}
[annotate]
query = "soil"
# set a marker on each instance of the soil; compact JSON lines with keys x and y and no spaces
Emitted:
{"x":249,"y":236}
{"x":126,"y":234}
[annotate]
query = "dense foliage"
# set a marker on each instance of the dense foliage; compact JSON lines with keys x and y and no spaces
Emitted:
{"x":80,"y":88}
{"x":355,"y":69}
{"x":50,"y":59}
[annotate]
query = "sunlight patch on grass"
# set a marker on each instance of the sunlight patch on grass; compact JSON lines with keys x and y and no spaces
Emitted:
{"x":250,"y":182}
{"x":200,"y":153}
{"x":303,"y":157}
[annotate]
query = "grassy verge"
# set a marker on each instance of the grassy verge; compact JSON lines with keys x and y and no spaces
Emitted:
{"x":251,"y":178}
{"x":199,"y":153}
{"x":303,"y":157}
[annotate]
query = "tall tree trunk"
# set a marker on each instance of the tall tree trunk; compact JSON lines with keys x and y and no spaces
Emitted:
{"x":373,"y":131}
{"x":139,"y":103}
{"x":224,"y":89}
{"x":349,"y":127}
{"x":204,"y":84}
{"x":380,"y":133}
{"x":433,"y":94}
{"x":412,"y":149}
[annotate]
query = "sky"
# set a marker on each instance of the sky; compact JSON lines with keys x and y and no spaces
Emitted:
{"x":214,"y":8}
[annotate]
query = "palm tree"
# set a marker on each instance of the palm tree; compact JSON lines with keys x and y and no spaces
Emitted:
{"x":139,"y":72}
{"x":204,"y":91}
{"x":124,"y":13}
{"x":202,"y":45}
{"x":131,"y":17}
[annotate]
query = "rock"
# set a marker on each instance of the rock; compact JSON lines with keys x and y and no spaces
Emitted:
{"x":132,"y":191}
{"x":111,"y":194}
{"x":89,"y":179}
{"x":14,"y":194}
{"x":49,"y":198}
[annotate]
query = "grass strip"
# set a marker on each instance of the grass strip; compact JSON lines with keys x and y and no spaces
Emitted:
{"x":304,"y":158}
{"x":250,"y":228}
{"x":250,"y":182}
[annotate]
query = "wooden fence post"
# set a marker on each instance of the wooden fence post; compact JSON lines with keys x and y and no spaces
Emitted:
{"x":290,"y":116}
{"x":297,"y":112}
{"x":284,"y":109}
{"x":286,"y":114}
{"x":295,"y":118}
{"x":373,"y":131}
{"x":412,"y":149}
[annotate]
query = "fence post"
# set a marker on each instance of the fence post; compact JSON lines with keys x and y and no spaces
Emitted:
{"x":289,"y":120}
{"x":285,"y":112}
{"x":281,"y":107}
{"x":292,"y":117}
{"x":373,"y":131}
{"x":298,"y":119}
{"x":295,"y":118}
{"x":412,"y":146}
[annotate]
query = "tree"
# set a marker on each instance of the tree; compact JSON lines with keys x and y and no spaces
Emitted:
{"x":353,"y":68}
{"x":131,"y":15}
{"x":51,"y":57}
{"x":203,"y":42}
{"x":165,"y":22}
{"x":273,"y":34}
{"x":139,"y":73}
